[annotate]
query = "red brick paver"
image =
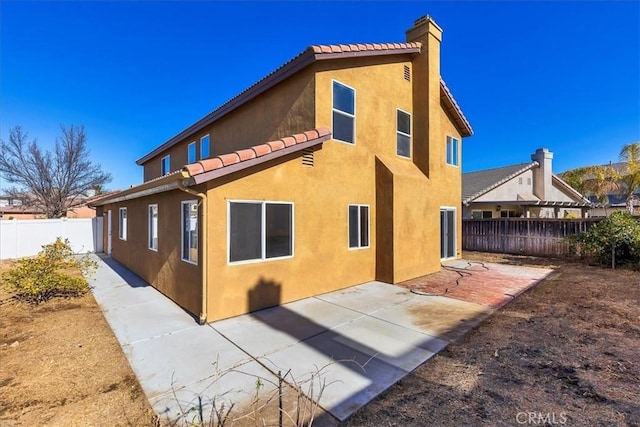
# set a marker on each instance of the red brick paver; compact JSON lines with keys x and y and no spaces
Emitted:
{"x":492,"y":285}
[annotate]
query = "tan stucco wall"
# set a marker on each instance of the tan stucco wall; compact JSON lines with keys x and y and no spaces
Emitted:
{"x":164,"y":269}
{"x":284,"y":109}
{"x":343,"y":174}
{"x":404,"y":195}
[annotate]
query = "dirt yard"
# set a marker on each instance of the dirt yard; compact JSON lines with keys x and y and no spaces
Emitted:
{"x":566,"y":352}
{"x":60,"y":365}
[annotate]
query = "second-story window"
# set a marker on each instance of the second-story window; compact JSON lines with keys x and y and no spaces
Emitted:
{"x":452,"y":151}
{"x":205,"y":149}
{"x":165,"y":165}
{"x":191,"y":153}
{"x":344,"y":113}
{"x":403,"y":134}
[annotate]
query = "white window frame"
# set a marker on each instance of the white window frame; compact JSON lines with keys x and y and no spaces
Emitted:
{"x":263,"y":238}
{"x":450,"y":151}
{"x":398,"y":132}
{"x":150,"y":227}
{"x":358,"y":205}
{"x":122,"y":225}
{"x":162,"y":168}
{"x":195,"y":153}
{"x":353,"y":116}
{"x":482,"y":211}
{"x":187,"y":202}
{"x":208,"y":148}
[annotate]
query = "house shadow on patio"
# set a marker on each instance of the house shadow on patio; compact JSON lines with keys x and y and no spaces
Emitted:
{"x":346,"y":347}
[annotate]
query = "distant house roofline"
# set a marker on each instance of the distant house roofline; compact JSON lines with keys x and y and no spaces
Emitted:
{"x":500,"y":181}
{"x":307,"y":57}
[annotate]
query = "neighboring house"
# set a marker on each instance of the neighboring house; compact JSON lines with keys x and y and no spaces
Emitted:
{"x":615,"y":200}
{"x":14,"y":207}
{"x":529,"y":190}
{"x":360,"y":181}
{"x":20,"y":207}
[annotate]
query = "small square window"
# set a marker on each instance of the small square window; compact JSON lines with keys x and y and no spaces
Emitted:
{"x":122,"y":224}
{"x":165,"y":165}
{"x":344,"y":113}
{"x":205,"y":147}
{"x":452,"y":151}
{"x":191,"y":153}
{"x":153,"y":227}
{"x":190,"y":231}
{"x":358,"y":226}
{"x":403,"y":134}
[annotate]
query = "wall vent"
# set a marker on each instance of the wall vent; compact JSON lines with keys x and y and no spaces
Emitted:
{"x":407,"y":73}
{"x":307,"y":156}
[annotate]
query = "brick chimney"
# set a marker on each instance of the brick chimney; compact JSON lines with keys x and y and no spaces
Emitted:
{"x":426,"y":92}
{"x":542,"y":174}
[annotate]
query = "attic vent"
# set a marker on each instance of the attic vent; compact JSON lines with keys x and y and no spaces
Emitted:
{"x":307,"y":157}
{"x":407,"y":73}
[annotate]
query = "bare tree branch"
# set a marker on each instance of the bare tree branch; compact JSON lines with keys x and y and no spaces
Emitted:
{"x":50,"y":181}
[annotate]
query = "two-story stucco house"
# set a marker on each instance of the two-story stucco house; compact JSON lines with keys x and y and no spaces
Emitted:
{"x":339,"y":168}
{"x":529,"y":190}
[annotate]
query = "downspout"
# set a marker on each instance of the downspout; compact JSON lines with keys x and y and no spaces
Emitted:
{"x":205,"y":264}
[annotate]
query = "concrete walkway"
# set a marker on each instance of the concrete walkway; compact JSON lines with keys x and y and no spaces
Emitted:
{"x":358,"y":341}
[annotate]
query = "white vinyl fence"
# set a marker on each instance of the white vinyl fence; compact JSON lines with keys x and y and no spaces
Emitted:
{"x":25,"y":237}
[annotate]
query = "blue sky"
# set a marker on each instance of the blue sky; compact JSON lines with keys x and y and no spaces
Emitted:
{"x":562,"y":75}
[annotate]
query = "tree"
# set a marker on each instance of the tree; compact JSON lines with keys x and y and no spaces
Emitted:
{"x":630,"y":176}
{"x":50,"y":181}
{"x":596,"y":181}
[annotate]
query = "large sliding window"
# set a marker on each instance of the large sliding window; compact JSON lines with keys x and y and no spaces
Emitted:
{"x":260,"y":230}
{"x":190,"y":231}
{"x":153,"y":227}
{"x":403,"y":134}
{"x":344,"y":113}
{"x":122,"y":224}
{"x":358,"y":226}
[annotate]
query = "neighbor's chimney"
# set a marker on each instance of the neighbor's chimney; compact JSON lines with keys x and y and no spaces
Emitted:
{"x":542,"y":174}
{"x":425,"y":77}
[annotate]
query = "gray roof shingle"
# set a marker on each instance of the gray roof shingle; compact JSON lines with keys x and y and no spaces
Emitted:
{"x":477,"y":183}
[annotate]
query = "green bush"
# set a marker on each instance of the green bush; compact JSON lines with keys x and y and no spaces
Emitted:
{"x":54,"y":272}
{"x":620,"y":231}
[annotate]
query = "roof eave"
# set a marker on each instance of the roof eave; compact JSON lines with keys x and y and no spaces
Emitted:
{"x":455,"y":111}
{"x":303,"y":60}
{"x":144,"y":189}
{"x":227,"y":170}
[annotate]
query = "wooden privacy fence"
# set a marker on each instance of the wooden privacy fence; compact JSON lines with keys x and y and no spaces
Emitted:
{"x":526,"y":236}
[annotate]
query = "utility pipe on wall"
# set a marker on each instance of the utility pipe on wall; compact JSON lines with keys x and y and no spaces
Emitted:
{"x":205,"y":264}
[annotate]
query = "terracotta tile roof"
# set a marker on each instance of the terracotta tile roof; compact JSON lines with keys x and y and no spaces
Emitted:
{"x":225,"y":164}
{"x":305,"y":58}
{"x":454,"y":110}
{"x":241,"y":159}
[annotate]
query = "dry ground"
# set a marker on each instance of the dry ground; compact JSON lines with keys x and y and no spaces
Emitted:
{"x":61,"y":365}
{"x":566,"y":352}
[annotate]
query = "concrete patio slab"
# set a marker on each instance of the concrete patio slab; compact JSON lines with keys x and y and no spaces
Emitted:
{"x":267,"y":331}
{"x":442,"y":317}
{"x":357,"y":341}
{"x":367,"y":298}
